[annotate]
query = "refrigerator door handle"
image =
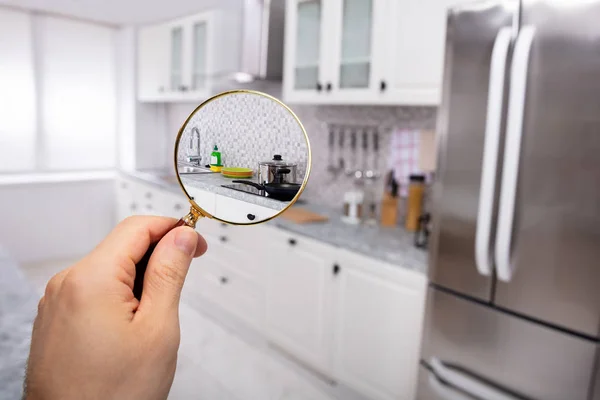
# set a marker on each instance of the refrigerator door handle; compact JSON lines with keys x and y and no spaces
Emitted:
{"x":483,"y":255}
{"x":459,"y":385}
{"x":512,"y":152}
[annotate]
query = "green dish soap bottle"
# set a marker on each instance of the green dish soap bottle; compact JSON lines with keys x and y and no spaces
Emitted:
{"x":215,"y":157}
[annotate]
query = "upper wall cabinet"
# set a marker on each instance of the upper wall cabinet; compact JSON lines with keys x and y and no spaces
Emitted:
{"x":176,"y":58}
{"x":365,"y":51}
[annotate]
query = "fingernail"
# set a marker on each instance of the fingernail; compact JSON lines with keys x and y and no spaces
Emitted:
{"x":186,"y":240}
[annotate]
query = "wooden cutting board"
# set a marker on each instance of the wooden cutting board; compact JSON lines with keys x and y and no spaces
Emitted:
{"x":303,"y":216}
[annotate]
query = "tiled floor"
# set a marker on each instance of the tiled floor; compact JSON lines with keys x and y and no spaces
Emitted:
{"x":222,"y":361}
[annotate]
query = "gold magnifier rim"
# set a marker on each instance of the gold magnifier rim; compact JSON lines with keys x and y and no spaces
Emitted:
{"x":203,"y":212}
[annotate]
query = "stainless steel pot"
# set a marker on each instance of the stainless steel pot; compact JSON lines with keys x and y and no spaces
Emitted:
{"x":276,"y":171}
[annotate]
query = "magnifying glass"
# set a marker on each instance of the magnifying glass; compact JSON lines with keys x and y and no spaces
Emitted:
{"x":242,"y":157}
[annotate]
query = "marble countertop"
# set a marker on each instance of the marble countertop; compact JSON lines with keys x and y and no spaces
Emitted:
{"x":392,"y":245}
{"x":210,"y":182}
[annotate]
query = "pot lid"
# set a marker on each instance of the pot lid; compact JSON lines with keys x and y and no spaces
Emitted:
{"x":277,"y":161}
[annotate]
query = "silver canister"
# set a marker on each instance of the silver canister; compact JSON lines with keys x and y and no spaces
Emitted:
{"x":276,"y":171}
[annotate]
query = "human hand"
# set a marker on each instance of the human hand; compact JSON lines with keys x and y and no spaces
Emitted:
{"x":92,"y":339}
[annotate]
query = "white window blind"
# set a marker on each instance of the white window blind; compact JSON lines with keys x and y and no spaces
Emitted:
{"x":57,"y":94}
{"x":78,"y":94}
{"x":17,"y":93}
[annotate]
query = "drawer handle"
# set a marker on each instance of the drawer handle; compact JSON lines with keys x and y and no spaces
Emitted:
{"x":336,"y":269}
{"x":292,"y":242}
{"x":223,"y":239}
{"x":224,"y":280}
{"x":251,"y":217}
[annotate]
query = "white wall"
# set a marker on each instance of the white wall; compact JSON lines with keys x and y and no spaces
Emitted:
{"x":55,"y":220}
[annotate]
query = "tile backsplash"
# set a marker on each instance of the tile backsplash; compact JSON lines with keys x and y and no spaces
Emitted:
{"x":247,"y":128}
{"x":325,"y":187}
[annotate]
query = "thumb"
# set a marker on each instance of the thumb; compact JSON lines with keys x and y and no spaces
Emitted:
{"x":167,"y":269}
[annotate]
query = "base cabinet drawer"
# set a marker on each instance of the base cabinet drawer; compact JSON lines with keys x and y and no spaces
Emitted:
{"x":215,"y":277}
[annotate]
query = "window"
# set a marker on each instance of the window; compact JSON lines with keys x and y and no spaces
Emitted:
{"x":70,"y":76}
{"x":17,"y":93}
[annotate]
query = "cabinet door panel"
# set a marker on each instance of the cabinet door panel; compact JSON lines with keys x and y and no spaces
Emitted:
{"x":415,"y":53}
{"x":299,"y":302}
{"x":153,"y":65}
{"x":378,"y":330}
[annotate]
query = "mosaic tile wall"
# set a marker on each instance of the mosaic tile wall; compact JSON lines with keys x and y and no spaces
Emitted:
{"x":247,"y":128}
{"x":325,"y":187}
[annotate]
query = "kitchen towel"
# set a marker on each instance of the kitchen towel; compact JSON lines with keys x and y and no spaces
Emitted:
{"x":404,"y":156}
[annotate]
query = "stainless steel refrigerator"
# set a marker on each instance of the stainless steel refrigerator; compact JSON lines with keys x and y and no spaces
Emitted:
{"x":513,"y":308}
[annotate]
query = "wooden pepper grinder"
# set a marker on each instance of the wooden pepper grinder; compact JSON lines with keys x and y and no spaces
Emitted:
{"x":416,"y":190}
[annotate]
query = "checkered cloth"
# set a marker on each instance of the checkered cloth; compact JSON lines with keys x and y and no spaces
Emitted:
{"x":404,"y":156}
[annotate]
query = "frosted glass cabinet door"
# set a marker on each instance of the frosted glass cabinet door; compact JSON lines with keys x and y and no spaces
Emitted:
{"x":176,"y":58}
{"x":199,"y":55}
{"x":356,"y":52}
{"x":308,"y":44}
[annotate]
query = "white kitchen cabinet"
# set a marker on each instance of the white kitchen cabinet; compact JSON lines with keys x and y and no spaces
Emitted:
{"x":153,"y":63}
{"x":227,"y":277}
{"x":136,"y":198}
{"x":299,"y":301}
{"x":176,"y":59}
{"x":229,"y":209}
{"x":307,"y":49}
{"x":358,"y":26}
{"x":379,"y":52}
{"x":379,"y":312}
{"x":173,"y":59}
{"x":414,"y":50}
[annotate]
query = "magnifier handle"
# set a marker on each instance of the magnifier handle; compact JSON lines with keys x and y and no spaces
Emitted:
{"x":142,"y":265}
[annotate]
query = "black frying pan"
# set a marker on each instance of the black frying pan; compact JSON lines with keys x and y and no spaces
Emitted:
{"x":279,"y":191}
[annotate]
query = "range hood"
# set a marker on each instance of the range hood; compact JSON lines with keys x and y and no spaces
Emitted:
{"x":261,"y":50}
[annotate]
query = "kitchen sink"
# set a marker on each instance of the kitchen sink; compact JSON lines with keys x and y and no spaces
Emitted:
{"x":191,"y":169}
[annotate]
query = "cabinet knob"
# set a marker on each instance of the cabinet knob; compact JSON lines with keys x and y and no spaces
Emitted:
{"x":319,"y":87}
{"x":133,"y":206}
{"x":148,"y":195}
{"x":161,"y":89}
{"x":178,"y":207}
{"x":336,"y":269}
{"x":123,"y":185}
{"x":223,"y":239}
{"x":224,"y":280}
{"x":329,"y":87}
{"x":292,"y":242}
{"x":149,"y":206}
{"x":251,"y":217}
{"x":382,"y":86}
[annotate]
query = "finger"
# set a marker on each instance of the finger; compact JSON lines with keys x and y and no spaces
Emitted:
{"x":133,"y":235}
{"x":167,"y":269}
{"x":54,"y":284}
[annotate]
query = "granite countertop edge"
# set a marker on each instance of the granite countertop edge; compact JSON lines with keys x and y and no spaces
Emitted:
{"x":390,"y":245}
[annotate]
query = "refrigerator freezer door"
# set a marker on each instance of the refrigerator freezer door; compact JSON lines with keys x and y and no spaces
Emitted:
{"x":554,"y":243}
{"x":492,"y":354}
{"x":473,"y":30}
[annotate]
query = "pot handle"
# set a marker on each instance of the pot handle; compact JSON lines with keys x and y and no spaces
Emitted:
{"x":254,"y":184}
{"x":283,"y":171}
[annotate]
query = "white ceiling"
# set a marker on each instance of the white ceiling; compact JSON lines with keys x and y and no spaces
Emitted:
{"x":120,"y":12}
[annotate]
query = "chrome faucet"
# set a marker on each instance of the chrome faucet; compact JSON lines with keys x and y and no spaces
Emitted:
{"x":197,"y":158}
